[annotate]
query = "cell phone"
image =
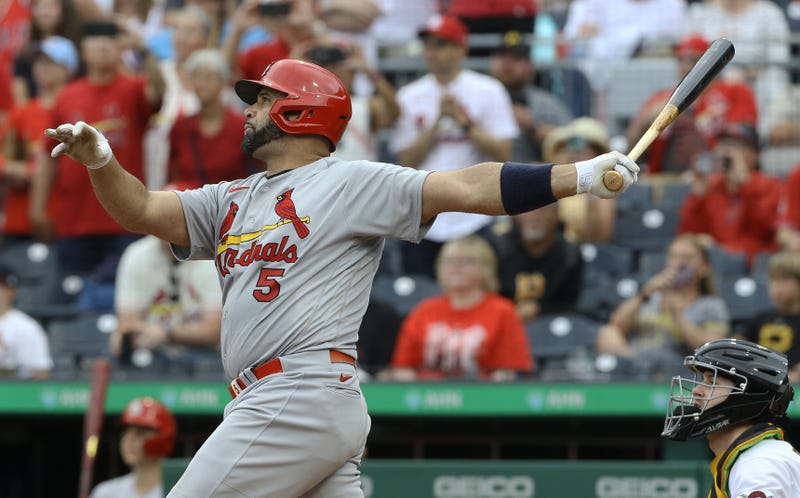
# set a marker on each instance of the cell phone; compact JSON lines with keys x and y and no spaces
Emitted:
{"x":126,"y":349}
{"x":682,"y":276}
{"x":726,"y":162}
{"x":274,"y":9}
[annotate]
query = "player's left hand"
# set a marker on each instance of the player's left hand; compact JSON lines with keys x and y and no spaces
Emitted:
{"x":82,"y":143}
{"x":590,"y":174}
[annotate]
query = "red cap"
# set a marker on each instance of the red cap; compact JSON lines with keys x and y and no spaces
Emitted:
{"x":446,"y":27}
{"x":693,"y":44}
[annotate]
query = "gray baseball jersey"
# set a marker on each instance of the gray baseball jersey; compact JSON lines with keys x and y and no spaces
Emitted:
{"x":296,"y":253}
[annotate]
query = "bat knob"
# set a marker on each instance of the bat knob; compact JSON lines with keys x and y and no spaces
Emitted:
{"x":612,"y":180}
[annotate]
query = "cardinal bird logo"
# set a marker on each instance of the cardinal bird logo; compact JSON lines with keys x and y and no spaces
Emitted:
{"x":227,"y":222}
{"x":286,"y":210}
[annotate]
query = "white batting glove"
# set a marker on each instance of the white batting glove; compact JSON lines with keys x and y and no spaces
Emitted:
{"x":590,"y":174}
{"x":82,"y":143}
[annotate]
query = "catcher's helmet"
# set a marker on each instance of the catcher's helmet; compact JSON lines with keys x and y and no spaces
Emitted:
{"x":761,"y":390}
{"x":319,"y":96}
{"x":147,"y":412}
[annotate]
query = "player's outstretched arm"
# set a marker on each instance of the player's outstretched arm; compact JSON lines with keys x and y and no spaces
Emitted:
{"x":512,"y":188}
{"x":121,"y":194}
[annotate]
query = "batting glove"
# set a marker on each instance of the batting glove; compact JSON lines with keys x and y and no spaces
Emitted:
{"x":590,"y":174}
{"x":82,"y":143}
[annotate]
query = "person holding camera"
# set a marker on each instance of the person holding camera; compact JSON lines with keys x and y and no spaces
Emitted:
{"x":732,"y":201}
{"x":674,"y":312}
{"x":293,"y":25}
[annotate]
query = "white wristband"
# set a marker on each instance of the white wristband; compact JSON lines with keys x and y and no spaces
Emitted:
{"x":585,"y":170}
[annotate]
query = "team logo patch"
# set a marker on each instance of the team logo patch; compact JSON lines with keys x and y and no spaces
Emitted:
{"x":756,"y":494}
{"x":286,"y":210}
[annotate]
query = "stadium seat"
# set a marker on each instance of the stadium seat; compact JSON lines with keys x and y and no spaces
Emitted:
{"x":32,"y":261}
{"x":558,"y":339}
{"x":75,"y":341}
{"x":726,"y":263}
{"x":645,"y":229}
{"x":638,"y":197}
{"x":404,"y":292}
{"x":673,"y":194}
{"x":607,"y":258}
{"x":744,"y":297}
{"x":634,"y":82}
{"x":601,"y":294}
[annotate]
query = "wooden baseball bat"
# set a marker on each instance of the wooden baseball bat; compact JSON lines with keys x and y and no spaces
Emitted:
{"x":716,"y":57}
{"x":93,"y":423}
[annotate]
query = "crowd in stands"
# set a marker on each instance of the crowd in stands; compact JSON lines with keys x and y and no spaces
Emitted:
{"x":707,"y":245}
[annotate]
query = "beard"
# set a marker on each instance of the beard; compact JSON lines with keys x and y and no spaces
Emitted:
{"x":262,"y":136}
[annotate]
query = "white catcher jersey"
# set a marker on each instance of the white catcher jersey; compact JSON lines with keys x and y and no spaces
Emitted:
{"x":770,"y":469}
{"x":296,"y":253}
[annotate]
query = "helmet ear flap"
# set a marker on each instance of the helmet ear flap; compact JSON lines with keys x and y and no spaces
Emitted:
{"x":780,"y":402}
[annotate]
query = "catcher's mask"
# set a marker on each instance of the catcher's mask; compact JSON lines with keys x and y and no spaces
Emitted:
{"x":760,"y":390}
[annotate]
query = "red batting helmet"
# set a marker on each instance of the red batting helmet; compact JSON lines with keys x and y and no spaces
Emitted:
{"x":319,"y":96}
{"x":147,"y":412}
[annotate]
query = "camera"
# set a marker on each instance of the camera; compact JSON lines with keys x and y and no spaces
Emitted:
{"x":273,"y":9}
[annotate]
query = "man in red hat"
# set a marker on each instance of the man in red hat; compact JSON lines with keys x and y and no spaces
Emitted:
{"x":450,"y":118}
{"x":694,"y":130}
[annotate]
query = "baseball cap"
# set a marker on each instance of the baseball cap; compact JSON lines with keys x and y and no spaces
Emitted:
{"x":514,"y":44}
{"x":589,"y":130}
{"x":8,"y":276}
{"x":692,"y":45}
{"x":743,"y":132}
{"x":59,"y":50}
{"x":446,"y":27}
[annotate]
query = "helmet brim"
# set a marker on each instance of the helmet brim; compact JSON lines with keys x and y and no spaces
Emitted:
{"x":248,"y":90}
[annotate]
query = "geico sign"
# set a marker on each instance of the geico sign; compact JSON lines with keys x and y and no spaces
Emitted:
{"x":483,"y":487}
{"x":646,"y":487}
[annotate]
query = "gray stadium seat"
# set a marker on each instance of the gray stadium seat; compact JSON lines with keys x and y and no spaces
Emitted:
{"x":558,"y":339}
{"x":404,"y":292}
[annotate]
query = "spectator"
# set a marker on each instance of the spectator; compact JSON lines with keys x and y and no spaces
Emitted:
{"x":587,"y":218}
{"x":200,"y":143}
{"x":349,"y":23}
{"x":789,"y":230}
{"x":781,"y":120}
{"x":537,"y":111}
{"x":735,"y":204}
{"x":603,"y":34}
{"x":148,"y":436}
{"x":495,"y":16}
{"x":15,"y":21}
{"x":48,"y":18}
{"x":293,"y":26}
{"x":779,"y":328}
{"x":675,"y":311}
{"x":539,"y":270}
{"x":371,"y":114}
{"x":24,"y":348}
{"x":449,"y":119}
{"x":467,"y":332}
{"x":54,"y":64}
{"x":760,"y":32}
{"x":694,"y":130}
{"x":165,"y":306}
{"x":87,"y":239}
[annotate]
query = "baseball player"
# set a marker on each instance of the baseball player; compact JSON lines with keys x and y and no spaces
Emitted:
{"x":738,"y":400}
{"x":147,"y":439}
{"x":296,"y":248}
